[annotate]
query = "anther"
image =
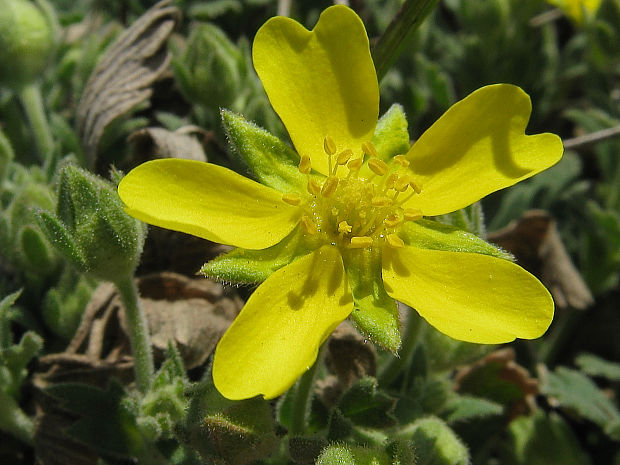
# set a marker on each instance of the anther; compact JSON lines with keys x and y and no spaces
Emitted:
{"x":292,"y":199}
{"x":402,"y":183}
{"x":369,"y":149}
{"x":401,"y":160}
{"x":344,"y":227}
{"x":390,"y":180}
{"x":412,"y":214}
{"x":381,"y":201}
{"x":313,"y":187}
{"x":392,"y":220}
{"x":329,"y":186}
{"x":304,"y":164}
{"x":394,"y":241}
{"x":308,"y":225}
{"x":360,"y":242}
{"x":377,"y":166}
{"x":416,"y":186}
{"x":344,"y":156}
{"x":329,"y":145}
{"x":355,"y":164}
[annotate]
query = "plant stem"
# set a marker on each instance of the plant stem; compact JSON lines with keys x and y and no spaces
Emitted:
{"x":411,"y":336}
{"x":14,"y":421}
{"x":405,"y":22}
{"x":138,"y":334}
{"x":30,"y":97}
{"x":303,"y":395}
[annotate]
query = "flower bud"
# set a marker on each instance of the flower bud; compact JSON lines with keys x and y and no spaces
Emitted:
{"x":90,"y":227}
{"x":27,"y":39}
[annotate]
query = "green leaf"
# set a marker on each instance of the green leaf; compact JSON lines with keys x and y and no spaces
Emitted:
{"x":105,"y":423}
{"x":391,"y":136}
{"x":15,"y":359}
{"x":463,"y":408}
{"x":255,"y":266}
{"x":35,"y":249}
{"x":6,"y":315}
{"x":435,"y":443}
{"x":575,"y":391}
{"x":365,"y":406}
{"x":596,"y":366}
{"x":272,"y":162}
{"x":375,"y":313}
{"x":543,"y":440}
{"x":430,"y":234}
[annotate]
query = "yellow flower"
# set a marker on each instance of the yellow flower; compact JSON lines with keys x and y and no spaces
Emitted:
{"x":578,"y":10}
{"x":340,"y":229}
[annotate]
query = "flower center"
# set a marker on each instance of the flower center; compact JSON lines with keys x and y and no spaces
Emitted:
{"x":354,"y":211}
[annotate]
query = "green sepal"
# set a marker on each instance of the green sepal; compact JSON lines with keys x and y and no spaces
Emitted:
{"x":58,"y":235}
{"x":435,"y":442}
{"x":272,"y":162}
{"x":375,"y":313}
{"x":430,"y":234}
{"x":366,"y":406}
{"x":391,"y":136}
{"x":255,"y":266}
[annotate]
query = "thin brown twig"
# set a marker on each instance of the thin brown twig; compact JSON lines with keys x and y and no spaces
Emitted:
{"x":592,"y":138}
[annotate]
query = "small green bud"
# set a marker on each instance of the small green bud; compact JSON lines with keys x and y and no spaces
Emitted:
{"x":209,"y":72}
{"x":353,"y":455}
{"x":90,"y":227}
{"x":26,"y":42}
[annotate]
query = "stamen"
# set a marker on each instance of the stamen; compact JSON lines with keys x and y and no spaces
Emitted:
{"x":392,"y":220}
{"x":394,"y":241}
{"x":378,"y":166}
{"x":329,"y":145}
{"x":415,"y":186}
{"x":308,"y":225}
{"x":402,"y":183}
{"x":355,"y":164}
{"x":344,"y":156}
{"x":304,"y":164}
{"x":344,"y":227}
{"x":313,"y":187}
{"x":292,"y":199}
{"x":401,"y":160}
{"x":390,"y":180}
{"x":369,"y":149}
{"x":329,"y":186}
{"x":412,"y":214}
{"x":360,"y":242}
{"x":381,"y":201}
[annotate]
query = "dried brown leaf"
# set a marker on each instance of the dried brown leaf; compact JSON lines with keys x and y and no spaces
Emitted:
{"x":124,"y":76}
{"x":536,"y":244}
{"x":152,"y":143}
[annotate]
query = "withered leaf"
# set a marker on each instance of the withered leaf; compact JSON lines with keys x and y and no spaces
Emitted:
{"x":152,"y":143}
{"x":536,"y":244}
{"x":123,"y":77}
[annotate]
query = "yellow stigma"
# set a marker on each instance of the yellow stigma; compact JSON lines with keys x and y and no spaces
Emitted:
{"x":304,"y":164}
{"x":292,"y":199}
{"x":344,"y":227}
{"x":360,"y":242}
{"x":329,"y":145}
{"x":369,"y":149}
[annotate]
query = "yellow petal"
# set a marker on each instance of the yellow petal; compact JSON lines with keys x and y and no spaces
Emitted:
{"x":208,"y":201}
{"x":469,"y":297}
{"x":477,"y":147}
{"x":321,"y":82}
{"x":276,"y":337}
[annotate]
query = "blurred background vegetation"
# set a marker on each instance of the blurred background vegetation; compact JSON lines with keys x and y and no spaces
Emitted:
{"x":550,"y":401}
